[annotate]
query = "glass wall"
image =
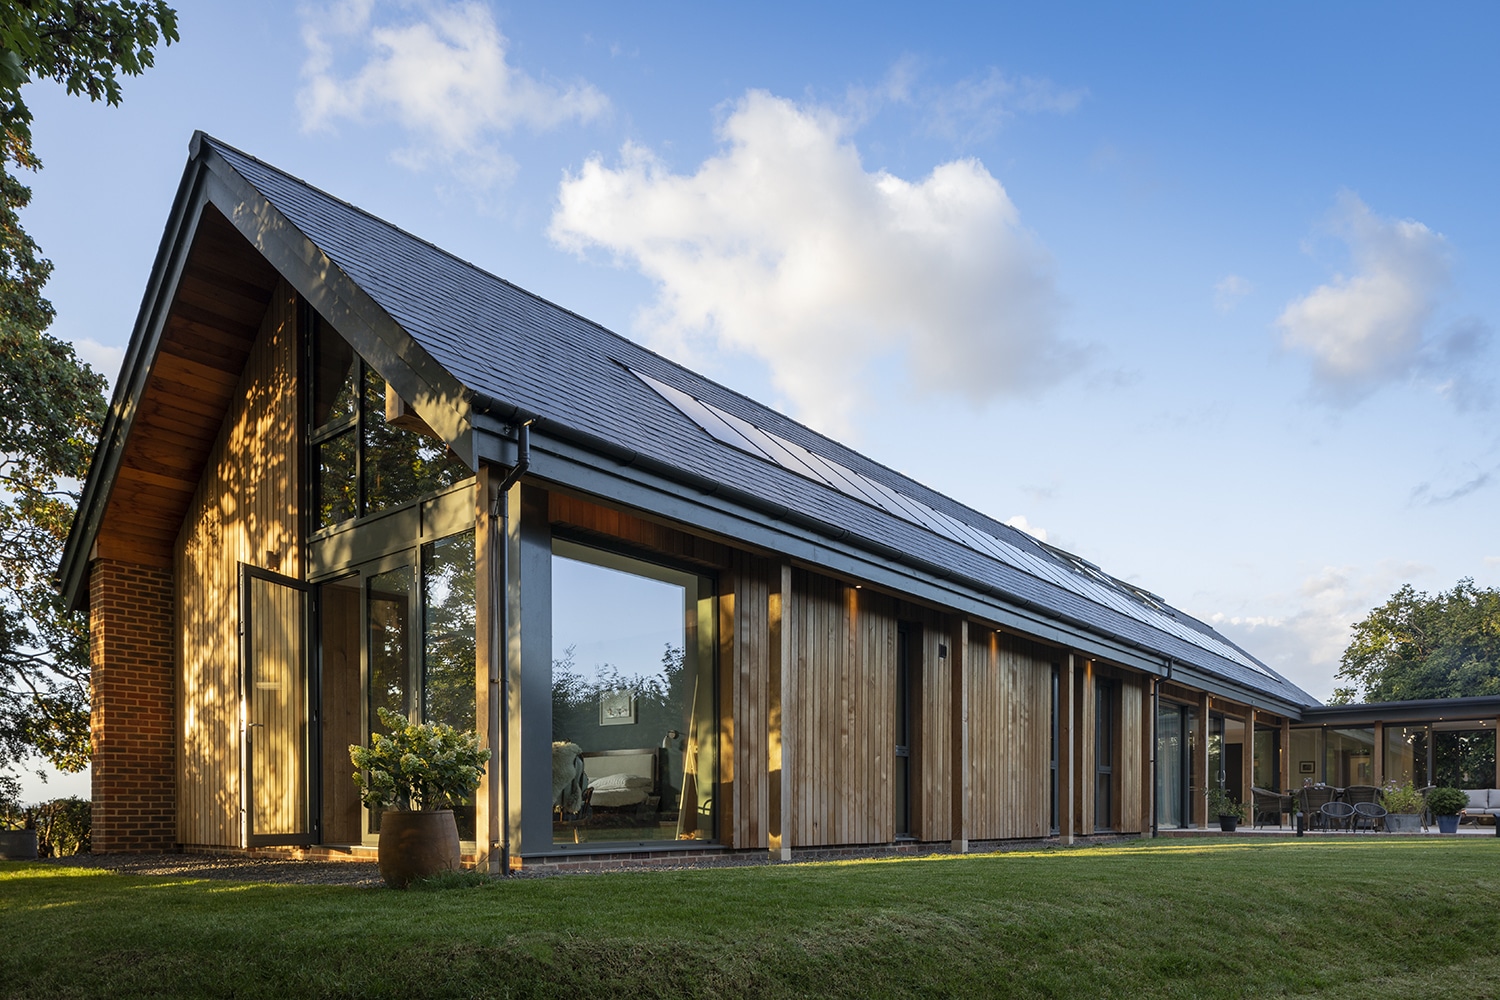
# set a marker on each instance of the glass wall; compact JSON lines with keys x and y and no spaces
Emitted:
{"x":369,"y":452}
{"x":1463,"y":755}
{"x":634,"y":725}
{"x":1349,"y":757}
{"x":1171,"y":766}
{"x":1406,"y":755}
{"x":1306,"y":757}
{"x":1266,"y":767}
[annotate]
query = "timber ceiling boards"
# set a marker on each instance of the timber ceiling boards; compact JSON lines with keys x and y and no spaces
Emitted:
{"x":1020,"y":552}
{"x":215,"y":316}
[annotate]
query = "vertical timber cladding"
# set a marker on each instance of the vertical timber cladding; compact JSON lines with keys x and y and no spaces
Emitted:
{"x":245,"y":510}
{"x":1010,"y":733}
{"x":842,"y":711}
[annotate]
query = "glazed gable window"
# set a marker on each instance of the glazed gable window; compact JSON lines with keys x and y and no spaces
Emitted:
{"x":370,"y":453}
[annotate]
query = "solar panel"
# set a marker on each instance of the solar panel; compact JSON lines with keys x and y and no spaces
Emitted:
{"x":1062,"y":569}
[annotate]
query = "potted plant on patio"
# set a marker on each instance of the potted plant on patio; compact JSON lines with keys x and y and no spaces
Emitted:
{"x":414,"y":775}
{"x":1446,"y":803}
{"x":1403,"y":806}
{"x":1223,"y":805}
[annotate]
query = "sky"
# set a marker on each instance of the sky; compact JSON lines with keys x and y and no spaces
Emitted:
{"x":1203,"y":293}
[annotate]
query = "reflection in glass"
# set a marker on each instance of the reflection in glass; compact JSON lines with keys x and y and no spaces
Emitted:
{"x":448,"y":630}
{"x":400,"y":464}
{"x":338,"y":497}
{"x":1170,"y":767}
{"x":633,"y":722}
{"x":1266,"y":767}
{"x":1463,"y":757}
{"x":1406,"y":755}
{"x":1306,"y":757}
{"x":388,"y":604}
{"x":335,"y":378}
{"x":1349,"y":757}
{"x":448,"y":619}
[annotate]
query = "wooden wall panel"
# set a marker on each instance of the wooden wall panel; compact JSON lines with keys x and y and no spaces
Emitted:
{"x":1010,"y":733}
{"x":244,"y":510}
{"x":1129,"y":767}
{"x":842,"y":710}
{"x":744,"y":702}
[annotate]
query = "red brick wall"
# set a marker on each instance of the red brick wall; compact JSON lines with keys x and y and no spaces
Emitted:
{"x":134,"y":707}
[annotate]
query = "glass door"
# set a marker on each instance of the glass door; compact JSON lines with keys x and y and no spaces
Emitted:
{"x":1171,"y":766}
{"x":274,"y":619}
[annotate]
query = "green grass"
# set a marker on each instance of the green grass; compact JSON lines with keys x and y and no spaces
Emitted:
{"x":1211,"y":918}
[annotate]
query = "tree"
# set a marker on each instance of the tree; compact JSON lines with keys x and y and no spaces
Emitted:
{"x":1419,"y":646}
{"x":51,"y":404}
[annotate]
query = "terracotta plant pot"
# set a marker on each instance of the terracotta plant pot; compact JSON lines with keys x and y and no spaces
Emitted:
{"x":417,"y":845}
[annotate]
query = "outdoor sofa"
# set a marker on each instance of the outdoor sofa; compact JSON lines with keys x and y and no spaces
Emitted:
{"x":1482,"y":802}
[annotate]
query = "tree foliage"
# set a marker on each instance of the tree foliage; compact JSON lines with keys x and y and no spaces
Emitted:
{"x":1420,"y":646}
{"x":55,"y":404}
{"x":85,"y":45}
{"x":51,"y":404}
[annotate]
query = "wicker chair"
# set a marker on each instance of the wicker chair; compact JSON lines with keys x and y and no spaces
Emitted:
{"x":1314,"y":797}
{"x":1268,"y":803}
{"x":1355,"y":794}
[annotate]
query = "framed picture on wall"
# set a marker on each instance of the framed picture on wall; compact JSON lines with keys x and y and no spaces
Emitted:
{"x":1306,"y":767}
{"x":617,"y":708}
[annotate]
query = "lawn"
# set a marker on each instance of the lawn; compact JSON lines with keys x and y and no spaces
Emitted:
{"x":1173,"y":918}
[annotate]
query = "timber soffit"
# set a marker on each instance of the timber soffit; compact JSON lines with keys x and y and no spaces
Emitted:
{"x":523,"y":355}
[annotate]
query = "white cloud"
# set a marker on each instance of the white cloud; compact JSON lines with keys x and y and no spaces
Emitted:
{"x":1302,"y":635}
{"x":974,"y":109}
{"x":1367,"y":327}
{"x":783,"y":246}
{"x":1228,"y":291}
{"x":437,"y":69}
{"x":1020,"y":523}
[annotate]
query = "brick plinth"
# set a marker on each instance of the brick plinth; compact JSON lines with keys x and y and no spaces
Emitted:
{"x":134,"y":707}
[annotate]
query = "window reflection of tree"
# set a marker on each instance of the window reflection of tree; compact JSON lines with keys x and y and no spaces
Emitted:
{"x":448,"y":610}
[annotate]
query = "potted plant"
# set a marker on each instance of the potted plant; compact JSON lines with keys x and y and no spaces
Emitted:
{"x":1223,"y":805}
{"x":1403,"y":806}
{"x":415,"y":775}
{"x":1446,"y":803}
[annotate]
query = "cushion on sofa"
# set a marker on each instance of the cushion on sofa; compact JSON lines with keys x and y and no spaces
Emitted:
{"x":1479,"y":798}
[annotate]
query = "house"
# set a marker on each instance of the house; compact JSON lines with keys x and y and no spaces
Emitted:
{"x":345,"y":471}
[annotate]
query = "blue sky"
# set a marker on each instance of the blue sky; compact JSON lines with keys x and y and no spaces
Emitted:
{"x":1203,"y":293}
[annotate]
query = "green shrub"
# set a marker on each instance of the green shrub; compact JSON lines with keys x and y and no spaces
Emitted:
{"x":1447,"y":801}
{"x":1221,"y":803}
{"x":417,"y":766}
{"x":1403,"y":799}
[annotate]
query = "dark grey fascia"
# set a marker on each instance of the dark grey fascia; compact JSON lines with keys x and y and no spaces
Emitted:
{"x":1420,"y":710}
{"x":579,"y":462}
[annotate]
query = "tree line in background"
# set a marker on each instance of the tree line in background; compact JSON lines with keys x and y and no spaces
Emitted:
{"x":53,"y":403}
{"x":1417,"y":645}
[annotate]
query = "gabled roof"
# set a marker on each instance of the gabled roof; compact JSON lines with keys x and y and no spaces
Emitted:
{"x":474,"y":354}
